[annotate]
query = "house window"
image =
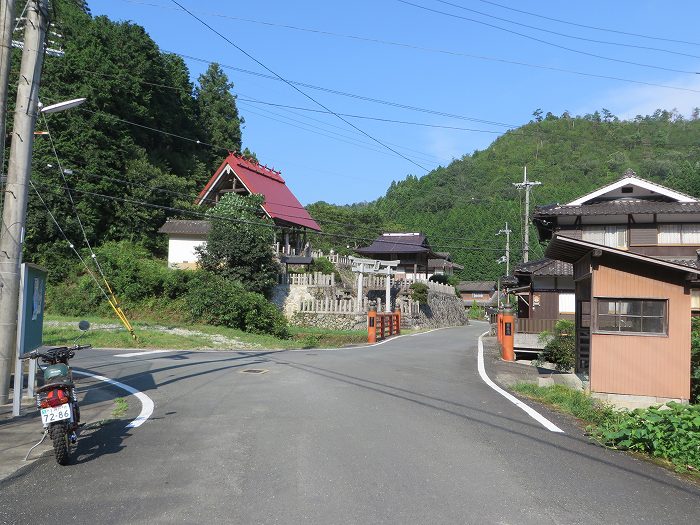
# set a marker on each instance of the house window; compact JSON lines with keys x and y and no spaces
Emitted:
{"x":679,"y":234}
{"x":643,"y":316}
{"x":614,"y":236}
{"x":567,"y":303}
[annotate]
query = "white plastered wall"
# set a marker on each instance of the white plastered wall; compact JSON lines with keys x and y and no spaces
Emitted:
{"x":181,"y":249}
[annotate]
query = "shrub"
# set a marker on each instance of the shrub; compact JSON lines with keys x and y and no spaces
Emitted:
{"x":560,"y":345}
{"x":131,"y":271}
{"x":214,"y":300}
{"x":695,"y":362}
{"x":439,"y":278}
{"x":419,"y":292}
{"x":476,"y":311}
{"x":671,"y":432}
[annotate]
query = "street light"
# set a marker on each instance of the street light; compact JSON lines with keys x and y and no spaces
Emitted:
{"x":60,"y":106}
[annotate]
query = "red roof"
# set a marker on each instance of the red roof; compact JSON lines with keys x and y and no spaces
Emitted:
{"x":280,"y":202}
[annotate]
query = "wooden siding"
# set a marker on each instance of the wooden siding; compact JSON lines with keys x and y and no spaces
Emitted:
{"x":644,"y":234}
{"x":643,"y":365}
{"x":548,"y":305}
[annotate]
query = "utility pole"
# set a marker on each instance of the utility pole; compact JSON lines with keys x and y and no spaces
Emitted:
{"x":7,"y":21}
{"x":526,"y":229}
{"x":507,"y":255}
{"x":17,"y":189}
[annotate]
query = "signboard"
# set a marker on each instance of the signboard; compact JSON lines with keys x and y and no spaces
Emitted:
{"x":30,"y":326}
{"x":30,"y":329}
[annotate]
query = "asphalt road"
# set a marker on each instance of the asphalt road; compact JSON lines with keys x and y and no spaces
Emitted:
{"x":405,"y":432}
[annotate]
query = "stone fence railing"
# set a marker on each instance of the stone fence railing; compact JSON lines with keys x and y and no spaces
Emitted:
{"x":334,"y":306}
{"x":432,"y":286}
{"x":339,"y":260}
{"x":306,"y":279}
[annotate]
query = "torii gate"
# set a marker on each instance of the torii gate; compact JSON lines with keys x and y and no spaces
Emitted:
{"x":373,"y":266}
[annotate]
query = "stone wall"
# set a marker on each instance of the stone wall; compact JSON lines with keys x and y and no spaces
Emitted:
{"x":331,"y":321}
{"x":442,"y":310}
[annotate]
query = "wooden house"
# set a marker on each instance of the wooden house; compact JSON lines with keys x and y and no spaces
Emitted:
{"x":412,"y":250}
{"x":481,"y":292}
{"x":634,"y":249}
{"x":245,"y":177}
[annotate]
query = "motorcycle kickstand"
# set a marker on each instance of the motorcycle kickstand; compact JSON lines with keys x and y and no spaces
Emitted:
{"x":46,"y":433}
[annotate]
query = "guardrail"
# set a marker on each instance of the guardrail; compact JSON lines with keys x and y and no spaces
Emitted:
{"x":382,"y":325}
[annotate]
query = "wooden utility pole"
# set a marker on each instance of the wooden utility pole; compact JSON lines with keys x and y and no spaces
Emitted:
{"x":17,"y":189}
{"x":527,"y":185}
{"x":7,"y":22}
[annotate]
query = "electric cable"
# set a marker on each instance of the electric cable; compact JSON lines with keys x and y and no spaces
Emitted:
{"x":269,"y":224}
{"x":595,"y":28}
{"x":302,"y":92}
{"x":113,"y":301}
{"x":447,"y":52}
{"x":593,"y":40}
{"x":559,"y":46}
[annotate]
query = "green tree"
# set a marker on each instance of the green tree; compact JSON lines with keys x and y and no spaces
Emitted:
{"x":216,"y":109}
{"x":238,"y":244}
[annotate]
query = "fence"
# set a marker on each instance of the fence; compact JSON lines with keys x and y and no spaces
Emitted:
{"x":335,"y":306}
{"x":306,"y":279}
{"x":374,"y":282}
{"x":338,"y":260}
{"x":432,"y":286}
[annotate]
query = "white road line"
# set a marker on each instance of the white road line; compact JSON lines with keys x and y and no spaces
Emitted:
{"x":147,"y":404}
{"x":138,"y":354}
{"x":528,"y":410}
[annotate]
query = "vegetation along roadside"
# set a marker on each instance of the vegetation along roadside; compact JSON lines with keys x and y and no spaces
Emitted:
{"x":670,"y":433}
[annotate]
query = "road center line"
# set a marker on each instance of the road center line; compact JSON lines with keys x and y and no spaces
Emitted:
{"x":528,"y":410}
{"x":147,"y":404}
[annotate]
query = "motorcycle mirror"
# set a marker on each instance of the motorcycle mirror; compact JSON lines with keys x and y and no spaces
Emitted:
{"x":84,"y":325}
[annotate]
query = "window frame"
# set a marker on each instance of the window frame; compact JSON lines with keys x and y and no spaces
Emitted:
{"x":603,"y":229}
{"x":681,"y":226}
{"x":596,"y":317}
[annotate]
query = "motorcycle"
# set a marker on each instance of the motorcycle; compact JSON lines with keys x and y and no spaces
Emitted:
{"x":57,"y":399}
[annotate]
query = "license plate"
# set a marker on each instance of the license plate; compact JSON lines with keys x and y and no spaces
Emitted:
{"x":53,"y":414}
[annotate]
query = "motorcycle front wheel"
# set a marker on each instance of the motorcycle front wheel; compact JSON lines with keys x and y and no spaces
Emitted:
{"x":59,"y":438}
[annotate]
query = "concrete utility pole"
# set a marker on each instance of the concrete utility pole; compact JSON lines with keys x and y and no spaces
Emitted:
{"x":17,"y":189}
{"x":7,"y":22}
{"x":526,"y":229}
{"x":507,"y":232}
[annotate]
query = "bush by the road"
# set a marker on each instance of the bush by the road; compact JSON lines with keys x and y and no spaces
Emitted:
{"x":670,"y":432}
{"x":215,"y":300}
{"x":560,"y":345}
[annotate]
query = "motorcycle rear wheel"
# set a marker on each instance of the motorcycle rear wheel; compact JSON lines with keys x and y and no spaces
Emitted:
{"x":59,"y":438}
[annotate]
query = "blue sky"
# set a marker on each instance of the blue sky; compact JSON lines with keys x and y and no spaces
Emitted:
{"x":432,"y":64}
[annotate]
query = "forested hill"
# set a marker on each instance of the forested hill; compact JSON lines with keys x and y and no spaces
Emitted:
{"x":462,"y":206}
{"x":138,"y":150}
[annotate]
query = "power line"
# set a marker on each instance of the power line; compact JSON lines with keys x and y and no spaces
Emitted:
{"x":351,"y":95}
{"x":243,"y":206}
{"x":595,"y":41}
{"x":295,"y":87}
{"x":441,"y":51}
{"x":595,"y":28}
{"x":235,"y":220}
{"x":546,"y":42}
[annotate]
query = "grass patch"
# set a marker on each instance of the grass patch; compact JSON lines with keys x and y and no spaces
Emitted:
{"x":108,"y":333}
{"x":567,"y":400}
{"x":121,"y":405}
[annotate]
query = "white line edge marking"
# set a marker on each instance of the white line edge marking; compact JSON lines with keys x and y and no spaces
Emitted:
{"x":147,"y":404}
{"x":138,"y":354}
{"x":528,"y":410}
